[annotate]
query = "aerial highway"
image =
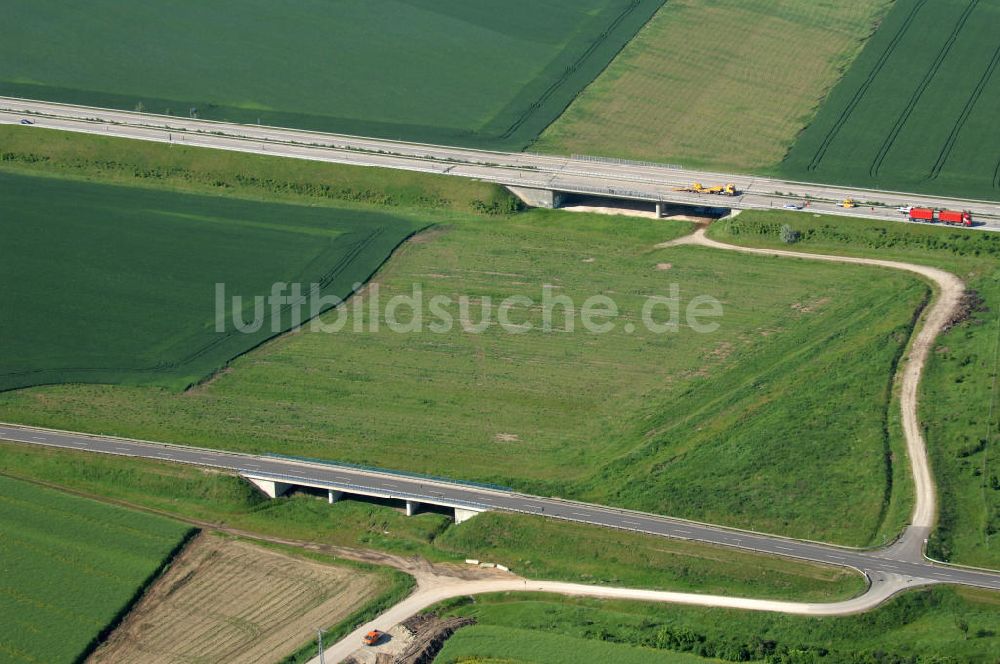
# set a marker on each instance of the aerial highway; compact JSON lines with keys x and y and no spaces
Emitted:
{"x":904,"y":566}
{"x":589,"y":176}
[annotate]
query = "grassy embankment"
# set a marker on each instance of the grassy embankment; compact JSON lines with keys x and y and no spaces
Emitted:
{"x":436,"y":71}
{"x":917,"y":109}
{"x":939,"y":626}
{"x":958,"y":399}
{"x":725,"y":85}
{"x":710,"y":426}
{"x":72,"y":567}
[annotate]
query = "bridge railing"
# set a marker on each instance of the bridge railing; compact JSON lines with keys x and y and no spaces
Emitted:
{"x":361,"y":489}
{"x":624,"y":162}
{"x":398,"y":473}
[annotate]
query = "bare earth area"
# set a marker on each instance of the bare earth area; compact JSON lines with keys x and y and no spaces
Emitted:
{"x":226,"y":600}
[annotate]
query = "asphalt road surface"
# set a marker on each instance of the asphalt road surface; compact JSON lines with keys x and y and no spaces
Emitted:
{"x":588,"y":176}
{"x":877,"y":564}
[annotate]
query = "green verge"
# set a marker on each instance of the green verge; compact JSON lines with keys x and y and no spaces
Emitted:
{"x":461,"y":72}
{"x":72,"y":568}
{"x":958,"y":400}
{"x":532,"y":546}
{"x":917,"y":109}
{"x":254,"y":177}
{"x":938,"y":626}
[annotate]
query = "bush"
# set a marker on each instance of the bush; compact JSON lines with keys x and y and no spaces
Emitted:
{"x":789,"y":235}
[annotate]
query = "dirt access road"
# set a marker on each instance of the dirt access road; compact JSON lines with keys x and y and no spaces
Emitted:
{"x":950,"y":290}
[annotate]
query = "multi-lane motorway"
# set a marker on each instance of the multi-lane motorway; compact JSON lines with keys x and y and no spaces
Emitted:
{"x":893,"y":563}
{"x":589,"y":176}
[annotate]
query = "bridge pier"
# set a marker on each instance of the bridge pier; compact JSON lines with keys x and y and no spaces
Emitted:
{"x":463,"y":515}
{"x":270,"y":488}
{"x":659,"y":210}
{"x":411,"y":507}
{"x":540,"y":198}
{"x":333,"y":496}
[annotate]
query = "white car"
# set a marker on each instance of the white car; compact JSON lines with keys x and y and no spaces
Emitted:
{"x":792,"y":206}
{"x":904,"y":209}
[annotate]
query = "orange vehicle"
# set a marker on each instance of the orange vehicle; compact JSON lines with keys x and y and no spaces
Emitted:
{"x":373,"y":637}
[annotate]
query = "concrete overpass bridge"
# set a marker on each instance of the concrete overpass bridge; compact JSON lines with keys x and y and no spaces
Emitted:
{"x":901,"y":566}
{"x":544,"y":180}
{"x":274,"y":485}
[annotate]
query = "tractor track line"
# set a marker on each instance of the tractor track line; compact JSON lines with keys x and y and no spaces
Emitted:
{"x":970,"y":105}
{"x":861,"y":92}
{"x":921,"y":88}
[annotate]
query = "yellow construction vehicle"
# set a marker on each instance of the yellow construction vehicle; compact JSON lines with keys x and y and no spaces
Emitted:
{"x":848,"y":203}
{"x":718,"y":190}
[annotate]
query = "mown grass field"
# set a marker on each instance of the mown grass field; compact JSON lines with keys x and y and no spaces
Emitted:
{"x":115,"y":284}
{"x":917,"y":110}
{"x":532,"y":546}
{"x":726,"y":84}
{"x":798,"y":345}
{"x":958,"y":403}
{"x":71,"y":566}
{"x":921,"y":627}
{"x":445,"y":71}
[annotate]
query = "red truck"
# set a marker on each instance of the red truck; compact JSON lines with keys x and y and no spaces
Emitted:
{"x":951,"y":217}
{"x":944,"y":216}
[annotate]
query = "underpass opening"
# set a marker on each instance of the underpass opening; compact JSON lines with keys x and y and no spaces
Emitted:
{"x":638,"y":208}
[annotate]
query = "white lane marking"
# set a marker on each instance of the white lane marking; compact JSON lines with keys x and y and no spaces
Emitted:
{"x":580,"y":514}
{"x":124,"y":449}
{"x":631,"y":523}
{"x":205,"y":458}
{"x":683,"y":531}
{"x":783,"y":548}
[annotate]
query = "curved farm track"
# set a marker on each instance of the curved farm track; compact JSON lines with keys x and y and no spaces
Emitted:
{"x":431,"y":590}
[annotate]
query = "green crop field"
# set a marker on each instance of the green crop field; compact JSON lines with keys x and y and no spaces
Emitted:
{"x":70,"y":567}
{"x":917,"y":110}
{"x":958,"y":405}
{"x":468,"y":72}
{"x":939,"y":626}
{"x":488,"y":644}
{"x":114,"y":284}
{"x":625,"y":418}
{"x":726,"y":84}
